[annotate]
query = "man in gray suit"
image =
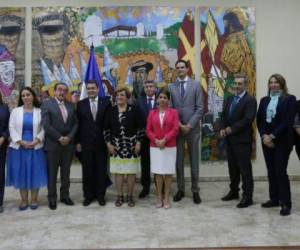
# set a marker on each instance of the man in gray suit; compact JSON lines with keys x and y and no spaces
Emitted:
{"x":186,"y":97}
{"x":60,"y":125}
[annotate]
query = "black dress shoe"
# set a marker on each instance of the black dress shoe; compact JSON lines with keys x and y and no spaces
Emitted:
{"x":196,"y":198}
{"x":52,"y":205}
{"x":285,"y":210}
{"x":244,"y":203}
{"x":102,"y":202}
{"x":230,"y":196}
{"x":178,"y":196}
{"x":270,"y":203}
{"x":87,"y":202}
{"x":67,"y":201}
{"x":144,"y":193}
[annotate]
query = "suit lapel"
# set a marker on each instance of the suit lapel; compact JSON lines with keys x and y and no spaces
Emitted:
{"x":58,"y":111}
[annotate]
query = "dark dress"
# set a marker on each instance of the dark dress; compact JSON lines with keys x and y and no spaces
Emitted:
{"x":123,"y":130}
{"x":26,"y":168}
{"x":4,"y":118}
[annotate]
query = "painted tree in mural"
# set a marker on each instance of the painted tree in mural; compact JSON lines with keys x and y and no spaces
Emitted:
{"x":132,"y":44}
{"x":227,"y":48}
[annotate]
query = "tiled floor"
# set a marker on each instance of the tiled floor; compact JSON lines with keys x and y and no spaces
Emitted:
{"x":213,"y":223}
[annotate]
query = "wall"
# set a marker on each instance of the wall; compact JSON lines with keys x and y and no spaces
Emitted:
{"x":277,"y":41}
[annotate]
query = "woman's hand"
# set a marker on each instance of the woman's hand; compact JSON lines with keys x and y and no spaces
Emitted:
{"x":111,"y":149}
{"x":137,"y":148}
{"x":160,"y":143}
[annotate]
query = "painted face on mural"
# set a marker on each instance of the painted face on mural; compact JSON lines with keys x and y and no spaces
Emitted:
{"x":7,"y":73}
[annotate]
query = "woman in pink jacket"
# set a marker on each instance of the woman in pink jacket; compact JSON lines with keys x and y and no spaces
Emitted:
{"x":162,"y":130}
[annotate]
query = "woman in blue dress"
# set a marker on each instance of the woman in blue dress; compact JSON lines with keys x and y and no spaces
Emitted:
{"x":26,"y":163}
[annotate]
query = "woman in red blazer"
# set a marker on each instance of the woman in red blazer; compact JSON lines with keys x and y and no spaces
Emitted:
{"x":162,"y":130}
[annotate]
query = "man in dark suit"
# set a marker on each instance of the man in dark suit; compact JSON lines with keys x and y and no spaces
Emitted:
{"x":60,"y":125}
{"x":187,"y":99}
{"x":90,"y":142}
{"x":236,"y":126}
{"x":145,"y":104}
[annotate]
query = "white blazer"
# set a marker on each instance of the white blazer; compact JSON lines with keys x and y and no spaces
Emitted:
{"x":16,"y":127}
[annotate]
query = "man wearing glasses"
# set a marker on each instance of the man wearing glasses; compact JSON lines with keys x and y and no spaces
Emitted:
{"x":60,"y":125}
{"x":186,"y":98}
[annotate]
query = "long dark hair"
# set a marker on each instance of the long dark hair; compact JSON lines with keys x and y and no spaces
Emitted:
{"x":1,"y":100}
{"x":35,"y":102}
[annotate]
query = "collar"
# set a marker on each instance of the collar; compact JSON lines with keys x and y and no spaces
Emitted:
{"x":241,"y":95}
{"x":96,"y":99}
{"x":58,"y":101}
{"x":152,"y":97}
{"x":185,"y":79}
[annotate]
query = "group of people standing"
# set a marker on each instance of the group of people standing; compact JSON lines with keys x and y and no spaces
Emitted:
{"x":152,"y":133}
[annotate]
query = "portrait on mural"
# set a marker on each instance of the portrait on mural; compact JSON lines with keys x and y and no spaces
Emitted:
{"x":12,"y":53}
{"x":130,"y":44}
{"x":227,"y":47}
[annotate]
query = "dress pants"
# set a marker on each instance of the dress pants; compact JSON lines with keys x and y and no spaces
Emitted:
{"x":239,"y":165}
{"x":145,"y":164}
{"x":192,"y":140}
{"x":94,"y":173}
{"x":279,"y":184}
{"x":60,"y":157}
{"x":2,"y":173}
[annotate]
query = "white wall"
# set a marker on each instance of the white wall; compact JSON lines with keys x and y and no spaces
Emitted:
{"x":277,"y":49}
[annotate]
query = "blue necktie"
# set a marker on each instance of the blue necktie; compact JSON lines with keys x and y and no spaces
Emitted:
{"x":149,"y":103}
{"x":182,"y":90}
{"x":233,"y":105}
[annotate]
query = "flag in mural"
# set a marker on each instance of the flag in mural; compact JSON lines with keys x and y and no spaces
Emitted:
{"x":12,"y":53}
{"x":132,"y":44}
{"x":227,"y":47}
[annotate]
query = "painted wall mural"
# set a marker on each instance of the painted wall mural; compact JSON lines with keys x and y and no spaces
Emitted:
{"x":131,"y":45}
{"x":12,"y":53}
{"x":227,"y":47}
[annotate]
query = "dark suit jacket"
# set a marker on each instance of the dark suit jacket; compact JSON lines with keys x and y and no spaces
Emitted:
{"x":90,"y":132}
{"x":241,"y":120}
{"x":54,"y":125}
{"x":141,"y":104}
{"x":282,"y":124}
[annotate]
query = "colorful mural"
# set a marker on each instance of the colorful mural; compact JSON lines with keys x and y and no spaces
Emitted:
{"x":131,"y":44}
{"x":12,"y":53}
{"x":227,"y":47}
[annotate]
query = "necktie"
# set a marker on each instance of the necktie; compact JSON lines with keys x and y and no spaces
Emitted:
{"x":149,"y":103}
{"x":94,"y":109}
{"x":182,"y":90}
{"x":234,"y":105}
{"x":63,"y":111}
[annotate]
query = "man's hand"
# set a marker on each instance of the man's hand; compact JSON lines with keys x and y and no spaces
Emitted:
{"x":64,"y":140}
{"x":2,"y":139}
{"x":78,"y":147}
{"x":228,"y":131}
{"x":222,"y":133}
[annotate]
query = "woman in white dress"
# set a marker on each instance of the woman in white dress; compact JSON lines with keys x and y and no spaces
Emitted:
{"x":162,"y":130}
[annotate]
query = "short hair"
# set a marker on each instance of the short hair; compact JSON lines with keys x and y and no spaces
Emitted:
{"x":92,"y":82}
{"x":282,"y":83}
{"x":123,"y":87}
{"x":150,"y":82}
{"x":241,"y":75}
{"x":60,"y":83}
{"x":165,"y":91}
{"x":35,"y":102}
{"x":186,"y":63}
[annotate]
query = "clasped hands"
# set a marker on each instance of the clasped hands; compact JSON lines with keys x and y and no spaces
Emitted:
{"x":160,"y":143}
{"x":64,"y":140}
{"x":268,"y":141}
{"x":225,"y":132}
{"x":112,"y":150}
{"x":28,"y":144}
